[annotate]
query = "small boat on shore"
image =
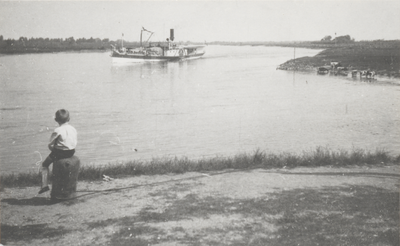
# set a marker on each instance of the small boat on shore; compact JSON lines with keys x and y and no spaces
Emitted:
{"x":323,"y":70}
{"x":156,"y":52}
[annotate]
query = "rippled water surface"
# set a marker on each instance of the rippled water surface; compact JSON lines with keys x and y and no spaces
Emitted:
{"x":232,"y":100}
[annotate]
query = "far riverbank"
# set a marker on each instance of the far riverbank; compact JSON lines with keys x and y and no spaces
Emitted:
{"x":380,"y":56}
{"x":383,"y":58}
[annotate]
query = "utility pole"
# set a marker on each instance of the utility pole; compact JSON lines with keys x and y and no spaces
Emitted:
{"x":294,"y":62}
{"x":294,"y":53}
{"x":294,"y":57}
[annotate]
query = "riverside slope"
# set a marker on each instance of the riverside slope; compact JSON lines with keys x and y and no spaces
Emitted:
{"x":383,"y":59}
{"x":305,"y":206}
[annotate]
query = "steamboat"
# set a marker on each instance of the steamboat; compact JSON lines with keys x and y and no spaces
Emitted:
{"x":156,"y":52}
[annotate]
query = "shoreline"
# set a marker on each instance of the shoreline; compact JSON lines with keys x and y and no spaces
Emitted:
{"x":383,"y":61}
{"x":258,"y":159}
{"x":382,"y":57}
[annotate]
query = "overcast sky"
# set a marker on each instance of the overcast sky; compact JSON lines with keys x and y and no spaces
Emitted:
{"x":202,"y":20}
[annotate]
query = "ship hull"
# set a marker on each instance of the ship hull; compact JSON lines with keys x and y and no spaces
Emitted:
{"x":127,"y":58}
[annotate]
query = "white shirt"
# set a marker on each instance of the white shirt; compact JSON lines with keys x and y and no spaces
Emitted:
{"x":64,"y":137}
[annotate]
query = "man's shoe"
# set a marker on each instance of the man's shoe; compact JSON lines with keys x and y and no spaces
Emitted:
{"x":44,"y":189}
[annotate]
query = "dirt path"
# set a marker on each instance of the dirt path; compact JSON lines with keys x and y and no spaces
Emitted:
{"x":303,"y":206}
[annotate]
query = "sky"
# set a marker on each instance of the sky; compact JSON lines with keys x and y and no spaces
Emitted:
{"x":236,"y":21}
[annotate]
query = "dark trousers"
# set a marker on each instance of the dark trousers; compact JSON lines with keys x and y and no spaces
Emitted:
{"x":56,"y":155}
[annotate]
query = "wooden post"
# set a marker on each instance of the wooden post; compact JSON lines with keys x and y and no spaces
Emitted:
{"x":65,"y":178}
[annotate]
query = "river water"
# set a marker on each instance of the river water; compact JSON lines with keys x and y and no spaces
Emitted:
{"x":233,"y":100}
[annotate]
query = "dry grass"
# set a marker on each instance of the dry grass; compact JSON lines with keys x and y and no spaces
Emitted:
{"x":258,"y":159}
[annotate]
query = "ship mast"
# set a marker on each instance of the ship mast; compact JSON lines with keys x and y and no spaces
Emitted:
{"x":141,"y":35}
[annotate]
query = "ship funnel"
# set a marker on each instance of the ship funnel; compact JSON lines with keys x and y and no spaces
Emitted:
{"x":171,"y":34}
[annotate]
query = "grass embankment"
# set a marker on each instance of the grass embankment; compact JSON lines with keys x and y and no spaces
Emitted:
{"x":383,"y":59}
{"x":258,"y":159}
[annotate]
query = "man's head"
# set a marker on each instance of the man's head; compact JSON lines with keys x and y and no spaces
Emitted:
{"x":62,"y":116}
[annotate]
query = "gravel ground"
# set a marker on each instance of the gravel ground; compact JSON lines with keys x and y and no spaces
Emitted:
{"x":307,"y":206}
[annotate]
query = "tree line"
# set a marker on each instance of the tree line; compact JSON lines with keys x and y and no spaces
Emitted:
{"x":44,"y":45}
{"x":41,"y":45}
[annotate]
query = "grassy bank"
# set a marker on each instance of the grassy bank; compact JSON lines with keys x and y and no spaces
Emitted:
{"x":383,"y":58}
{"x":258,"y":159}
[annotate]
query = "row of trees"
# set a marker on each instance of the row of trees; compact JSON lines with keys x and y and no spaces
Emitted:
{"x":39,"y":45}
{"x":32,"y":45}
